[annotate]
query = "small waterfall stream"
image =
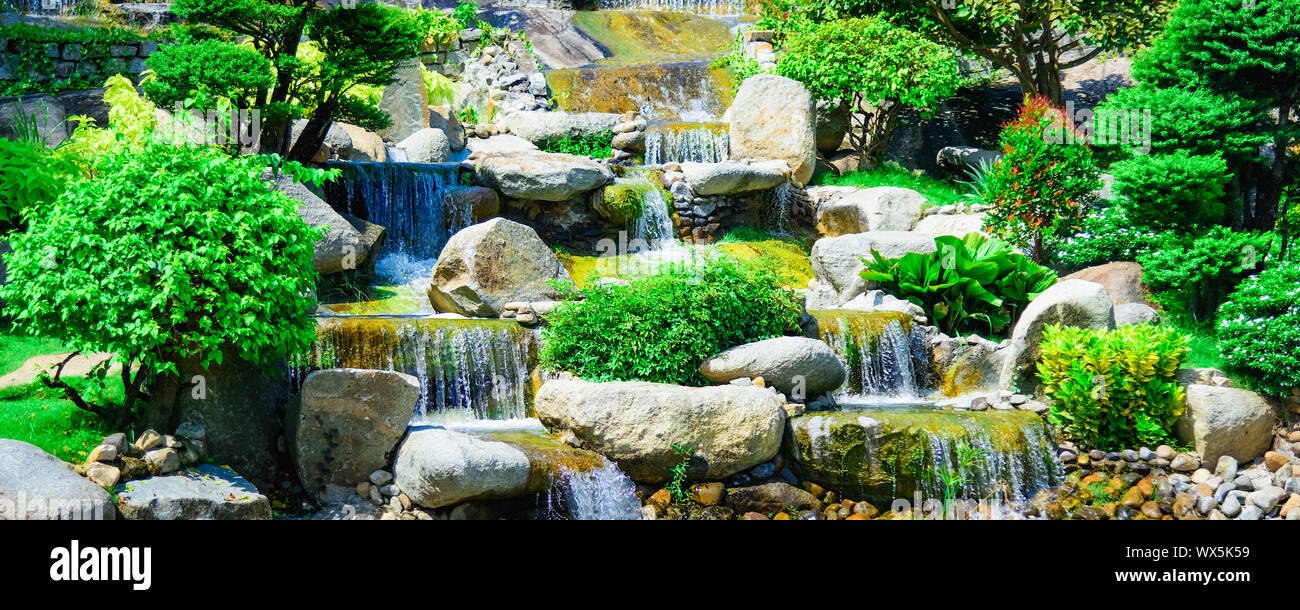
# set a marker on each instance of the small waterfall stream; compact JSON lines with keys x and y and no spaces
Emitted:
{"x":654,"y":226}
{"x":415,"y":202}
{"x":886,"y":362}
{"x":468,"y":369}
{"x":677,"y":143}
{"x":600,"y":494}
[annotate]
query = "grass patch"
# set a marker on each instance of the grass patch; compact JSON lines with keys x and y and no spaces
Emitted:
{"x":16,"y":349}
{"x":1203,"y":345}
{"x":41,"y":416}
{"x":794,"y":268}
{"x":936,"y":192}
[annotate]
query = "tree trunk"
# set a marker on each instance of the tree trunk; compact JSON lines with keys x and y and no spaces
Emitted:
{"x":313,"y":134}
{"x":160,"y":412}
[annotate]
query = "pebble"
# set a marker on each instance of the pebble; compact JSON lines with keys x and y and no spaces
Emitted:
{"x":1243,"y":482}
{"x":1222,"y":491}
{"x":1096,"y":455}
{"x":1184,"y":462}
{"x":1166,"y":452}
{"x":1282,"y":475}
{"x":1230,"y":506}
{"x":381,"y":477}
{"x":1250,"y":513}
{"x":1129,"y":455}
{"x":1205,"y":504}
{"x":1146,"y":454}
{"x":1226,"y":468}
{"x":1274,"y":460}
{"x":1201,"y":475}
{"x":763,"y":471}
{"x":1266,"y":499}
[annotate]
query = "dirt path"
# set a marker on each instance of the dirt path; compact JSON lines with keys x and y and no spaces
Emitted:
{"x":77,"y":367}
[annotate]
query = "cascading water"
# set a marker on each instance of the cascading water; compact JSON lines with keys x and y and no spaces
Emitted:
{"x":886,"y":362}
{"x":886,"y":453}
{"x":600,"y":494}
{"x":677,"y":143}
{"x":468,"y":369}
{"x":685,"y":91}
{"x":415,"y":202}
{"x":654,"y":226}
{"x":698,"y":7}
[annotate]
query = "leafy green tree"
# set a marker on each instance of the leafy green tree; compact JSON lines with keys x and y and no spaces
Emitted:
{"x":1192,"y":274}
{"x":359,"y":46}
{"x":1247,"y":54}
{"x":207,"y":69}
{"x":1034,"y":39}
{"x":156,"y":271}
{"x":1045,"y":183}
{"x":875,"y":68}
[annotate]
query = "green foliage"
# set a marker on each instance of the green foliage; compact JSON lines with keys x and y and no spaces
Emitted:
{"x":1172,"y":190}
{"x":1192,"y":274}
{"x":466,"y":13}
{"x":1246,"y":58}
{"x":206,"y":70}
{"x":970,"y":285}
{"x":31,"y":176}
{"x":440,"y":90}
{"x":130,"y":119}
{"x":1195,"y":121}
{"x":1106,"y":235}
{"x":1259,"y":330}
{"x":741,"y":64}
{"x":1112,"y":389}
{"x":33,"y":68}
{"x":1034,"y":39}
{"x":677,"y":486}
{"x":1045,"y":182}
{"x":873,"y":65}
{"x":663,"y":326}
{"x":157,"y":271}
{"x":594,"y":145}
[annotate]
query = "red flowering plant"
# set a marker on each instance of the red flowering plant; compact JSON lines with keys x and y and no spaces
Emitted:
{"x":1045,"y":183}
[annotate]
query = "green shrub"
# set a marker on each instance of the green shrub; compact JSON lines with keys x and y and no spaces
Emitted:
{"x":1113,"y":389}
{"x":32,"y":69}
{"x":594,"y":145}
{"x":1193,"y":273}
{"x":662,"y":327}
{"x":1045,"y":183}
{"x":1106,"y":235}
{"x":1172,"y":190}
{"x":1259,"y":330}
{"x":207,"y":69}
{"x":157,"y":271}
{"x":971,"y":285}
{"x":869,"y":61}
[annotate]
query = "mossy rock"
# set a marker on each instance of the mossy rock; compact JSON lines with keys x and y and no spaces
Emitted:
{"x":622,"y":203}
{"x":886,"y":453}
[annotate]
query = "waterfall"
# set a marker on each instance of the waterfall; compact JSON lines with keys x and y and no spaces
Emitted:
{"x":700,"y":142}
{"x":468,"y":369}
{"x":600,"y":494}
{"x":886,"y":362}
{"x":654,"y":225}
{"x":677,"y":91}
{"x":698,"y":7}
{"x":895,"y":452}
{"x":415,"y":202}
{"x":778,"y":210}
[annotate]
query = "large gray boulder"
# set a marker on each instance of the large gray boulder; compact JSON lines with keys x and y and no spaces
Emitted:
{"x":207,"y":492}
{"x":1134,"y":314}
{"x":955,"y":225}
{"x":542,"y":176}
{"x":883,"y":208}
{"x":731,"y":177}
{"x":960,"y":160}
{"x":487,"y":265}
{"x":1223,"y":421}
{"x":344,"y":424}
{"x":406,"y":101}
{"x":436,"y":467}
{"x":774,"y":117}
{"x":427,"y":145}
{"x":342,"y":247}
{"x":543,"y":126}
{"x":730,"y":428}
{"x":35,"y":485}
{"x":1069,"y":303}
{"x":344,"y":141}
{"x":837,"y":261}
{"x":797,"y":366}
